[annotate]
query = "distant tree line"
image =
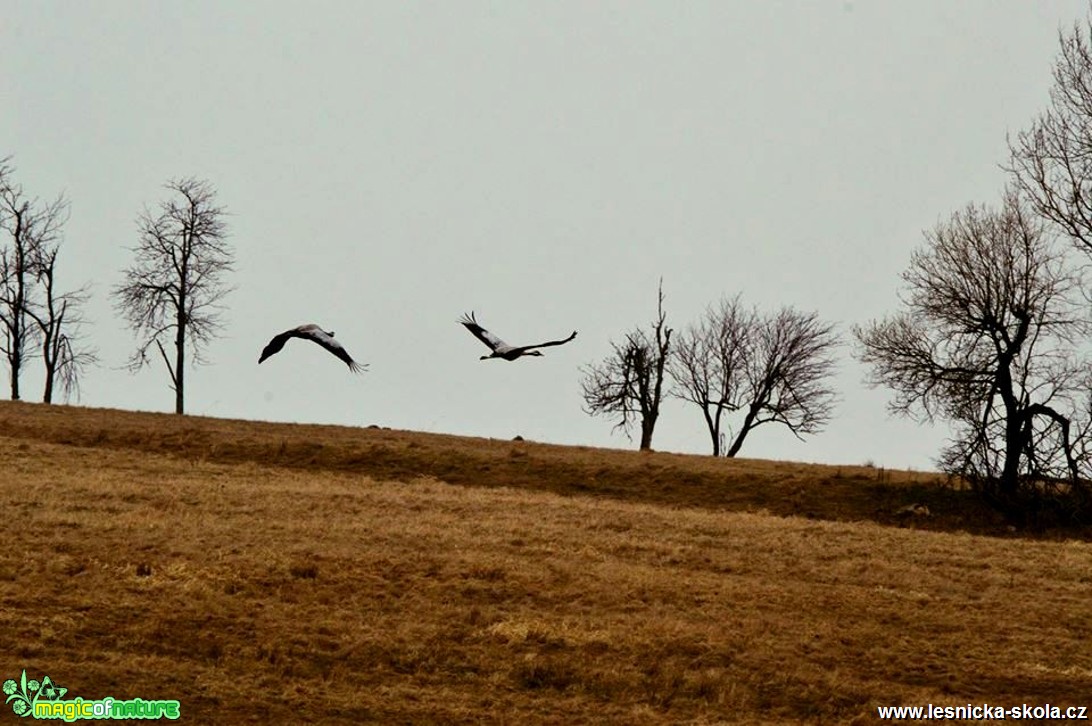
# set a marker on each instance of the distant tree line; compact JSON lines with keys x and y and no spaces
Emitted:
{"x":991,"y":337}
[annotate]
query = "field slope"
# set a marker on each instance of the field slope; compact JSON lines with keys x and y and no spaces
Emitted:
{"x":277,"y":574}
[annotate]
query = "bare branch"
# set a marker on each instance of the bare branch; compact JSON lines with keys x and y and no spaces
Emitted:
{"x":1051,"y":162}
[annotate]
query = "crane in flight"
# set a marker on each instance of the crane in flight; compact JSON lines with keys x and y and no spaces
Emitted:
{"x":315,"y":334}
{"x":499,"y":347}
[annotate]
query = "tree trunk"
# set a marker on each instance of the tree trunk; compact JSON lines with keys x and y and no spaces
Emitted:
{"x":1014,"y":431}
{"x":713,"y":423}
{"x":18,"y":329}
{"x":47,"y":397}
{"x":50,"y":330}
{"x":179,"y":365}
{"x":16,"y":357}
{"x":1014,"y":446}
{"x":647,"y":425}
{"x":748,"y":423}
{"x":49,"y":347}
{"x":16,"y":364}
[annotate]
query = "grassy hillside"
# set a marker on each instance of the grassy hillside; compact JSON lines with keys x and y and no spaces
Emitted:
{"x":273,"y":573}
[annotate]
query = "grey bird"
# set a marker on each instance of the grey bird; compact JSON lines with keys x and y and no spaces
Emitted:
{"x":499,"y":347}
{"x":315,"y":334}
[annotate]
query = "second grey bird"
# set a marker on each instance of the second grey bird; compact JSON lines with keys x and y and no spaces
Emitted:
{"x":502,"y":349}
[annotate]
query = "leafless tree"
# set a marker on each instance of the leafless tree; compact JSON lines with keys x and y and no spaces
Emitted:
{"x":30,"y":225}
{"x":629,"y":382}
{"x":708,"y":360}
{"x":774,"y":368}
{"x":59,"y":318}
{"x":33,"y":311}
{"x":989,"y":340}
{"x":12,"y":277}
{"x":789,"y":375}
{"x":176,"y":285}
{"x":1051,"y":162}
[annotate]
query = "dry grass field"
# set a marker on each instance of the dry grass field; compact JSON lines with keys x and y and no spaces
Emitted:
{"x":263,"y":573}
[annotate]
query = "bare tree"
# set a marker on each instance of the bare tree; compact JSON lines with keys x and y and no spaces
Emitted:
{"x":30,"y":225}
{"x":12,"y":281}
{"x":989,"y":341}
{"x":629,"y":381}
{"x":1051,"y":162}
{"x":59,"y":319}
{"x":176,"y":285}
{"x":774,"y":368}
{"x":788,"y":375}
{"x":708,"y":360}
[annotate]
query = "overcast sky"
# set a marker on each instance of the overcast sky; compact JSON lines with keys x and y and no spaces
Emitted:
{"x":390,"y":166}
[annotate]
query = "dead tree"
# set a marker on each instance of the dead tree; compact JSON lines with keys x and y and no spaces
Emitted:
{"x":989,"y":340}
{"x":59,"y":319}
{"x":772,"y":368}
{"x":707,"y":363}
{"x":175,"y":287}
{"x":788,"y":375}
{"x":629,"y":382}
{"x":30,"y":225}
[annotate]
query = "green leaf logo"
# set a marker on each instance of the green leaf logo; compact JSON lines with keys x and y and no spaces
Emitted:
{"x":23,"y":695}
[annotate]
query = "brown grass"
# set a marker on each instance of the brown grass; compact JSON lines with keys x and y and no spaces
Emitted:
{"x":279,"y":574}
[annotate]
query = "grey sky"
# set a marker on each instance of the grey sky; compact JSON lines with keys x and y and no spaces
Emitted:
{"x":392,"y":165}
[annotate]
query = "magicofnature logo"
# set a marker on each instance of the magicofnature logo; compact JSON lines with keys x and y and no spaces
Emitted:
{"x":45,"y":700}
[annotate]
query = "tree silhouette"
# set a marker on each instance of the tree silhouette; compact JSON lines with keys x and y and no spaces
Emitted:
{"x":175,"y":286}
{"x":59,"y":318}
{"x":629,"y":382}
{"x":989,"y":340}
{"x":774,"y":368}
{"x":30,"y":226}
{"x":1051,"y":162}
